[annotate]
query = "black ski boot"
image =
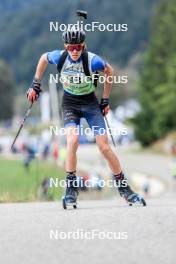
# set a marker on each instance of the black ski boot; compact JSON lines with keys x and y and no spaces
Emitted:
{"x":126,"y":192}
{"x":70,"y":198}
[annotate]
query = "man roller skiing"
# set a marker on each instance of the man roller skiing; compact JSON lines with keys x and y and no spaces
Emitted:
{"x":79,"y":101}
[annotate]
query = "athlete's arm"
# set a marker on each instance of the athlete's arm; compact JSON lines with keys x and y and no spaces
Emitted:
{"x":41,"y":67}
{"x":104,"y":104}
{"x":34,"y":91}
{"x":109,"y":72}
{"x":49,"y":57}
{"x":98,"y":64}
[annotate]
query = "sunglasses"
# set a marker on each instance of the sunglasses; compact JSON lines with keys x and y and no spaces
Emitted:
{"x":73,"y":47}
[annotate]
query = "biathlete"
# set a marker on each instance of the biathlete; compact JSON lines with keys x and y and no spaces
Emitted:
{"x":79,"y":101}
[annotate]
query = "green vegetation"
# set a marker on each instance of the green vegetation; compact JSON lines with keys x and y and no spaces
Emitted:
{"x":19,"y":185}
{"x":158,"y":79}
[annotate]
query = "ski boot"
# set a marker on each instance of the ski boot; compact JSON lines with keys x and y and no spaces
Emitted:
{"x":127,"y":193}
{"x":70,"y":198}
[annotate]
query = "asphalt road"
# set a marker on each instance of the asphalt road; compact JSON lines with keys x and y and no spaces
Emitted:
{"x":149,"y":233}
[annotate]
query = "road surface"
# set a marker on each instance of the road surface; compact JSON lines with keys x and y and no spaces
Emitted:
{"x":149,"y":233}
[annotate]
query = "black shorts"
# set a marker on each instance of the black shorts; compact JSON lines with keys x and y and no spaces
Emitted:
{"x":86,"y":106}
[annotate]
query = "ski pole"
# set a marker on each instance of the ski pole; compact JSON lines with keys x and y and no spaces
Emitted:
{"x":109,"y":128}
{"x":21,"y":126}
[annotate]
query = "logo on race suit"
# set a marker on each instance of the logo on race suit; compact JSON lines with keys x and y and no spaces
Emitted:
{"x":69,"y":116}
{"x":77,"y":67}
{"x":73,"y":72}
{"x":69,"y":113}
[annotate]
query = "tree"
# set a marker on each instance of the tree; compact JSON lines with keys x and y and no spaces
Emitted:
{"x":157,"y":91}
{"x":6,"y":92}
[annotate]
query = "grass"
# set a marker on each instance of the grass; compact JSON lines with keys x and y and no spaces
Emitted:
{"x":19,"y":185}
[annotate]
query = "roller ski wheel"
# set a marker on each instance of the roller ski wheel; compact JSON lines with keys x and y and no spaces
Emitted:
{"x":130,"y":196}
{"x":136,"y":199}
{"x":70,"y":198}
{"x":64,"y":203}
{"x":68,"y":203}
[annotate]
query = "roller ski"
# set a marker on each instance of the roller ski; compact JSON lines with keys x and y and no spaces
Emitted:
{"x":70,"y":198}
{"x":127,"y":193}
{"x":130,"y":196}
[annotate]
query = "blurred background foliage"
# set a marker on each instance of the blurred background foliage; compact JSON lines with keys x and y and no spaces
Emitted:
{"x":157,"y":89}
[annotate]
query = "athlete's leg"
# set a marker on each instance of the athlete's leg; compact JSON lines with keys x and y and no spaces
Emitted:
{"x":123,"y":187}
{"x":96,"y":121}
{"x":72,"y":146}
{"x":71,"y":116}
{"x":71,"y":160}
{"x":106,"y":150}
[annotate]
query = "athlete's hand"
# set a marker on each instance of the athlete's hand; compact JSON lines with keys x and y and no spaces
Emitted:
{"x":34,"y":91}
{"x":104,"y":106}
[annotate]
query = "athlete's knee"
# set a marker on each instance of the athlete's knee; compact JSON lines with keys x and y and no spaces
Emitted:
{"x":104,"y":147}
{"x":72,"y":141}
